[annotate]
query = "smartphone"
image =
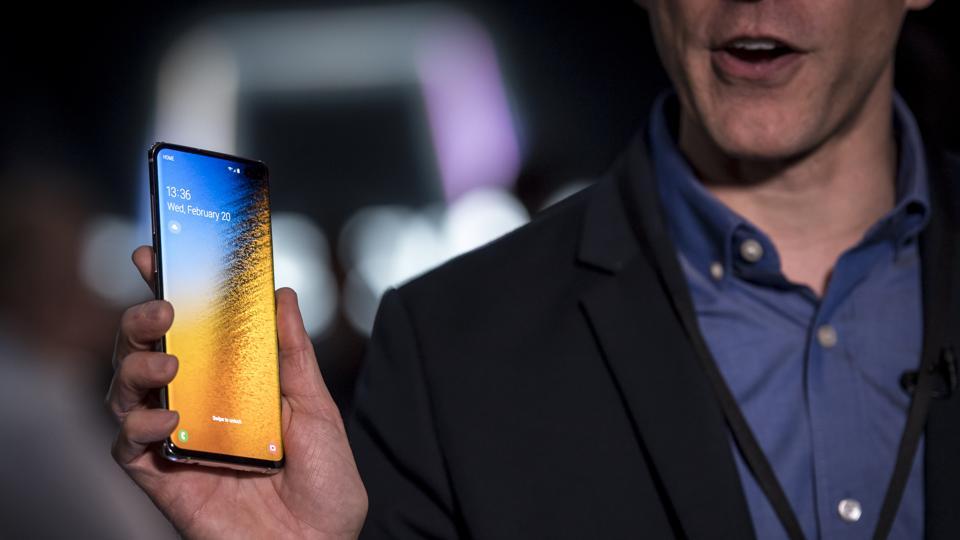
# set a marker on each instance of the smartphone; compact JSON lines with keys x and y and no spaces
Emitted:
{"x":214,"y":264}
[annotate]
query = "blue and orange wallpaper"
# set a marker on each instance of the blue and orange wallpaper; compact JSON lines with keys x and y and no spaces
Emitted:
{"x":216,"y":266}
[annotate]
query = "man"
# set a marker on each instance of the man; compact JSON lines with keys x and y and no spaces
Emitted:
{"x":745,"y":329}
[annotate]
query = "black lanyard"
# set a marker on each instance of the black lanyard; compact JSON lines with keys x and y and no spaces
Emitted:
{"x":760,"y":467}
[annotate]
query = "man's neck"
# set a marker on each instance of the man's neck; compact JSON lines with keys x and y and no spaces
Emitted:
{"x":817,"y":206}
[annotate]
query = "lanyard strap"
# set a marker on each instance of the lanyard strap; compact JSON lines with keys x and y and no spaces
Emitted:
{"x":946,"y":368}
{"x":748,"y":445}
{"x":763,"y":473}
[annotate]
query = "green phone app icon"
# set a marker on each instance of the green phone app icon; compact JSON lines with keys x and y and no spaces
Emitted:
{"x":182,"y":435}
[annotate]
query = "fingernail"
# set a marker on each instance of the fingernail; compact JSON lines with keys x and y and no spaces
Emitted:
{"x":173,"y":419}
{"x":154,"y":310}
{"x":162,"y":363}
{"x":157,"y":309}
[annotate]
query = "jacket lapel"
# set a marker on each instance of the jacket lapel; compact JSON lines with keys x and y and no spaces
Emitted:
{"x":632,"y":313}
{"x":940,"y":263}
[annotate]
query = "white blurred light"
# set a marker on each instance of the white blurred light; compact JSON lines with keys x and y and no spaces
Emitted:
{"x":480,"y":216}
{"x":359,"y":302}
{"x":388,"y":245}
{"x":301,"y":260}
{"x":105,"y":260}
{"x":419,"y":248}
{"x":197,"y":91}
{"x":371,"y":231}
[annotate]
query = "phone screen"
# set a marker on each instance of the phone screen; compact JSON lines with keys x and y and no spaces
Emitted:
{"x":215,"y":266}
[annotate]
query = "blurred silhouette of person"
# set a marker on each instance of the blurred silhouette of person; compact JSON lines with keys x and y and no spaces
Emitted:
{"x":55,"y":342}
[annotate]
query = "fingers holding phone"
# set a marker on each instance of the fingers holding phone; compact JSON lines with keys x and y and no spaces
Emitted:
{"x":137,"y":381}
{"x":141,"y":326}
{"x":146,"y":263}
{"x":140,"y":373}
{"x":237,"y":384}
{"x":300,"y":378}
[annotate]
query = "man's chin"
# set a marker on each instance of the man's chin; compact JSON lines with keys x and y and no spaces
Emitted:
{"x":764,"y":154}
{"x":773,"y":148}
{"x":756,"y":132}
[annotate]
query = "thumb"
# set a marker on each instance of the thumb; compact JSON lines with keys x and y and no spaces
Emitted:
{"x":300,"y":379}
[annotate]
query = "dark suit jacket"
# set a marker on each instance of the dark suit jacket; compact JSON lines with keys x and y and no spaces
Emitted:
{"x":547,"y":385}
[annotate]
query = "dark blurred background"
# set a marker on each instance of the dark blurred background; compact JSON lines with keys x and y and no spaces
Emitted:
{"x":398,"y":135}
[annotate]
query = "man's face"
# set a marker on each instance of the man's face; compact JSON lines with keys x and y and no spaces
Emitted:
{"x":774,"y":79}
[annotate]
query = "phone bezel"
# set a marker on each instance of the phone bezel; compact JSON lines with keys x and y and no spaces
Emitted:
{"x":170,"y":450}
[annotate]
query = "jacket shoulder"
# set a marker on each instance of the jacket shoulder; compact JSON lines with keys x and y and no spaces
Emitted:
{"x":538,"y":253}
{"x":549,"y":238}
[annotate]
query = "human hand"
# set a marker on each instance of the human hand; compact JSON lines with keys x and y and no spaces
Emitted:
{"x":317,"y":494}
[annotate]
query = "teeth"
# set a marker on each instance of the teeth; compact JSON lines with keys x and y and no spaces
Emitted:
{"x":754,"y":44}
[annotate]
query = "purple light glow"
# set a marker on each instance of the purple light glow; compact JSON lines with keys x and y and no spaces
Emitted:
{"x":471,"y":126}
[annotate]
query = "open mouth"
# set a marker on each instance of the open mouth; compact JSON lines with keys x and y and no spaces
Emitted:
{"x":757,"y":50}
{"x":761,"y":60}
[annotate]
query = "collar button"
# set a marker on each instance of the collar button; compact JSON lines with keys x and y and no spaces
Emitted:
{"x":751,"y":250}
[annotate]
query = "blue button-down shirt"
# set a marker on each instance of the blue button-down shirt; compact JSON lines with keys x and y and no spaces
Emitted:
{"x":816,"y":378}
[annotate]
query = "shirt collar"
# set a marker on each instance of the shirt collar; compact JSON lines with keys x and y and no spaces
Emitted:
{"x":710,"y":235}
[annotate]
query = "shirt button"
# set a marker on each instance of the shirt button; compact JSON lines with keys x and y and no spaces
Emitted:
{"x":716,"y":271}
{"x":827,"y":336}
{"x":751,"y":250}
{"x":850,"y":510}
